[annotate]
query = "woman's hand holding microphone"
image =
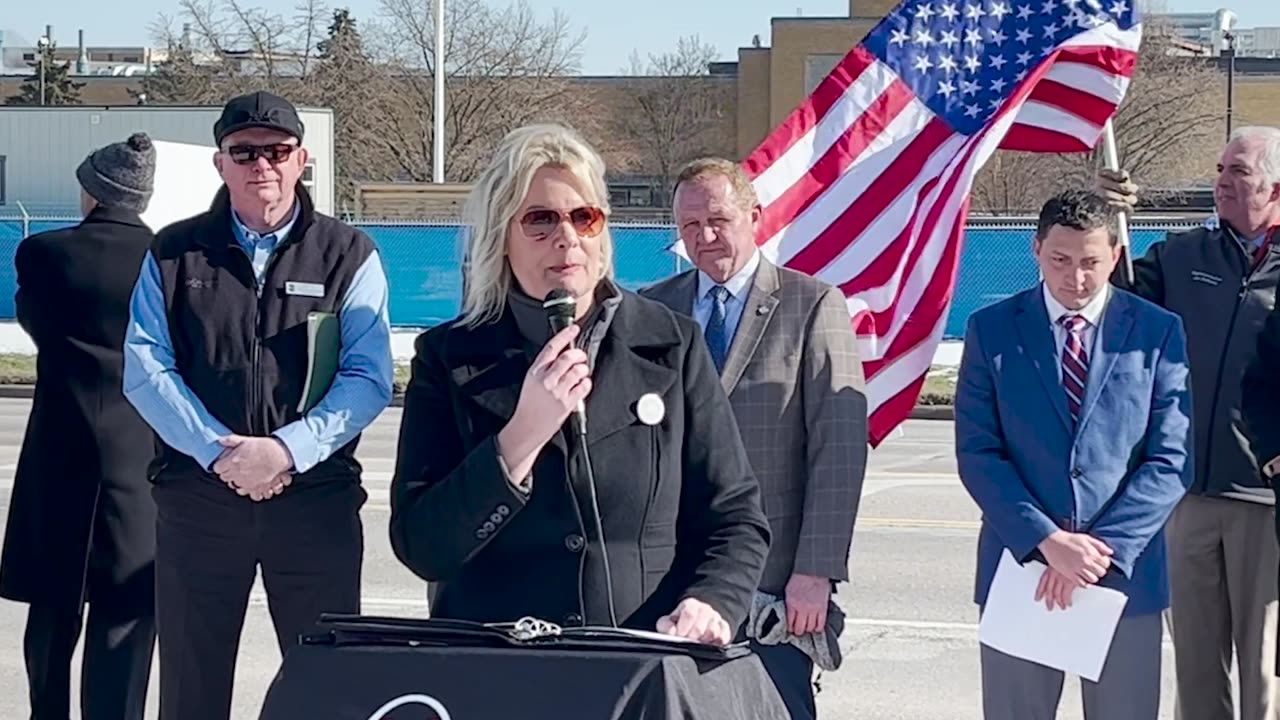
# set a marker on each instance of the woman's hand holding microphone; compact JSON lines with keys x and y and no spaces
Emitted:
{"x":556,"y":382}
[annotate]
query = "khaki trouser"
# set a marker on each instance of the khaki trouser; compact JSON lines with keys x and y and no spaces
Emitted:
{"x":1223,"y":560}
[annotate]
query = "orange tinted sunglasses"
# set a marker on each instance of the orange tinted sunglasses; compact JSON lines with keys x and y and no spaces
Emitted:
{"x":538,"y":224}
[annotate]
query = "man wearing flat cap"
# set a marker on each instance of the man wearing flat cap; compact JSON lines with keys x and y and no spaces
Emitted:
{"x":81,"y":526}
{"x":259,"y":350}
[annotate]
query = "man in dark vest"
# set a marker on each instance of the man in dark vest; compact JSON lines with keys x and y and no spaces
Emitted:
{"x":81,"y":525}
{"x":258,"y":422}
{"x":1223,"y":550}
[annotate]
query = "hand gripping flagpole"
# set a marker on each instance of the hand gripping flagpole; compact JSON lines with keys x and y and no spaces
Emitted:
{"x":1112,"y":160}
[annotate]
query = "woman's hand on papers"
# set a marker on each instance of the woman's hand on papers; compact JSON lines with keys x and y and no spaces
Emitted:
{"x":696,"y":620}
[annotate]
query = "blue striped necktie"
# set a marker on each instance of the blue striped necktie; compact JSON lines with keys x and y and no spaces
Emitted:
{"x":717,"y":338}
{"x":1075,"y":363}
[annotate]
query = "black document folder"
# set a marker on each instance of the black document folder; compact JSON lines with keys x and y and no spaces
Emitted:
{"x":527,"y":633}
{"x":358,"y":667}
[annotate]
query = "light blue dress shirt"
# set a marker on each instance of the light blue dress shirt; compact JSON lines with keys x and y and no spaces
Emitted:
{"x":739,"y":287}
{"x":361,"y":390}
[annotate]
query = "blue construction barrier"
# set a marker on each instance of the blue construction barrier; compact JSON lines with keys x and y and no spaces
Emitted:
{"x":422,"y":262}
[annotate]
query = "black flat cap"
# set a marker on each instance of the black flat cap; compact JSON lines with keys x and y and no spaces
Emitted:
{"x":258,"y":110}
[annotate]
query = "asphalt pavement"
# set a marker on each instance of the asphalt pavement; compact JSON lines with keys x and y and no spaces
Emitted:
{"x":910,"y":644}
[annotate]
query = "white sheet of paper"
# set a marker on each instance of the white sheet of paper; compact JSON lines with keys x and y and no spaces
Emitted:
{"x":185,"y":183}
{"x":1074,"y":640}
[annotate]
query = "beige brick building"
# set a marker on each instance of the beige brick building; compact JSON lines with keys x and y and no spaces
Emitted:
{"x":773,"y":80}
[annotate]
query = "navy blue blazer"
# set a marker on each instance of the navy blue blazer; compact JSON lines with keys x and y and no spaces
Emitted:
{"x":1116,"y":477}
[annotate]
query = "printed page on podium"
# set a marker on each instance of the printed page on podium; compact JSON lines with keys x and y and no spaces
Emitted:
{"x":1075,"y":640}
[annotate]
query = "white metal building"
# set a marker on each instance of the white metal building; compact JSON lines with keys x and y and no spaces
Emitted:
{"x":40,"y":148}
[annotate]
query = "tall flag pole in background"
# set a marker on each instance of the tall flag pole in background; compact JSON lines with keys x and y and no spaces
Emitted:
{"x":866,"y":184}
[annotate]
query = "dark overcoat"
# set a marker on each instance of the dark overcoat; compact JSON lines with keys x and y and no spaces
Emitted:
{"x":680,"y":507}
{"x":81,"y":479}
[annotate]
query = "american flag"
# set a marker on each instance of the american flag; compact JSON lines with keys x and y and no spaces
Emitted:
{"x":866,"y":184}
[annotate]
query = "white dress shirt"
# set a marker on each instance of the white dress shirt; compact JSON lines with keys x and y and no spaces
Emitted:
{"x":1092,"y":313}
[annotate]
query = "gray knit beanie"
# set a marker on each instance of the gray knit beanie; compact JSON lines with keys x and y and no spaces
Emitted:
{"x":121,"y":174}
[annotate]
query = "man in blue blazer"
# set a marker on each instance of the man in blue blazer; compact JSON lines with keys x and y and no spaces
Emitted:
{"x":1072,"y":431}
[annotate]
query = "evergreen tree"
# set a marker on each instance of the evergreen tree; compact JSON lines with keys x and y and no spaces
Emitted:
{"x":344,"y":38}
{"x":59,"y":88}
{"x":347,"y":80}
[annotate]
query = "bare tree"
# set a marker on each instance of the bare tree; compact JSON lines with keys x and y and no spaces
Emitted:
{"x":1170,"y":128}
{"x":1168,"y":133}
{"x":217,"y":48}
{"x":1014,"y":182}
{"x":504,"y":68}
{"x":674,"y":110}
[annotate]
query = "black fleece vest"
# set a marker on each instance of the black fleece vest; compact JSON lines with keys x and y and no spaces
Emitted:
{"x":243,"y":349}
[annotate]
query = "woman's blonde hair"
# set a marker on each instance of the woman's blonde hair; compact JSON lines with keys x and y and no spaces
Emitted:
{"x":497,"y":195}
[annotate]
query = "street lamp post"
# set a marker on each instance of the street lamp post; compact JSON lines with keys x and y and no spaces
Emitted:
{"x":1230,"y":52}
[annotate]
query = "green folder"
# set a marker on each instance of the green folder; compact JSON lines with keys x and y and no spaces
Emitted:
{"x":323,"y":343}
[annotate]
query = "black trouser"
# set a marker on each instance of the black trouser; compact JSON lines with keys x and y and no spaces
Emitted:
{"x":115,"y":668}
{"x":209,"y":543}
{"x":119,"y":640}
{"x":792,"y":673}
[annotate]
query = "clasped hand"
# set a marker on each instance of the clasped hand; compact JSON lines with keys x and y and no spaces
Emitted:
{"x":254,"y":466}
{"x":1075,"y":560}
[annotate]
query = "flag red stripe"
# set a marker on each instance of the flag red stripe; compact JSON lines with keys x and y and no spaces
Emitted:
{"x":1109,"y":59}
{"x":837,"y":160}
{"x":1077,"y":102}
{"x":864,"y":209}
{"x":1031,"y":138}
{"x":893,"y":411}
{"x":809,"y":113}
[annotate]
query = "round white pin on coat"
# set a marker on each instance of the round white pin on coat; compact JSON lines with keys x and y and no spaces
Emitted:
{"x":650,"y":408}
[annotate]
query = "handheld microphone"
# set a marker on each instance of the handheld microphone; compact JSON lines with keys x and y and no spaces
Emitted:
{"x":561,"y":309}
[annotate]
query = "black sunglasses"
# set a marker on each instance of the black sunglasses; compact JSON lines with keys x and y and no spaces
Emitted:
{"x":249,"y":154}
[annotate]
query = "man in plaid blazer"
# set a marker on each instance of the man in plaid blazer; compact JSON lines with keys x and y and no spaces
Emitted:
{"x":787,"y":356}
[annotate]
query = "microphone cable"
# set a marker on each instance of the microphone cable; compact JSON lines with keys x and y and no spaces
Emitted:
{"x":560,"y":307}
{"x":580,"y":434}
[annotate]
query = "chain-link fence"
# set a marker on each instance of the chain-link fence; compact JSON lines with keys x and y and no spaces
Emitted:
{"x":422,"y":261}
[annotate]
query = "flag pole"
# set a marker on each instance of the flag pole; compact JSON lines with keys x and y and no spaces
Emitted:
{"x":1112,"y":159}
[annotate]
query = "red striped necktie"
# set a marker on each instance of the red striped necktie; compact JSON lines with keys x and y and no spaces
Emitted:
{"x":1075,"y":363}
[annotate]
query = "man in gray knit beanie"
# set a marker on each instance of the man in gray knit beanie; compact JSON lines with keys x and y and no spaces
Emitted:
{"x":81,"y":487}
{"x":120,"y":174}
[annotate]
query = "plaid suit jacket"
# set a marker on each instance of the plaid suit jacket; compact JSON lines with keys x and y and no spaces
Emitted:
{"x":796,"y":384}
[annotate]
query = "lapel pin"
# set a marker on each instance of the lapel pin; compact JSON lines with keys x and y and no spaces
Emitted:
{"x":650,"y":408}
{"x":762,"y":310}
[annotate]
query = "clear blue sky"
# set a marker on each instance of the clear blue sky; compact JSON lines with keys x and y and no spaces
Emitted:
{"x":614,"y":28}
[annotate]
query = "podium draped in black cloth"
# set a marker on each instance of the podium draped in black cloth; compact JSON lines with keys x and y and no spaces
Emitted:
{"x":368,"y":668}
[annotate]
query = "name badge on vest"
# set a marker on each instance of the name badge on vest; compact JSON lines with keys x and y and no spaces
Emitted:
{"x":304,"y":289}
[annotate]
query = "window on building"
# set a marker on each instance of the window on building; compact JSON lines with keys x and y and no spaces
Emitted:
{"x":309,"y":177}
{"x":2,"y":158}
